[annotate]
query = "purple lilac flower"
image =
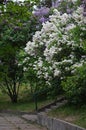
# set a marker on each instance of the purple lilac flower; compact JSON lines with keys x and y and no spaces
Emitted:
{"x":41,"y":14}
{"x":5,"y":1}
{"x":16,"y":28}
{"x":42,"y":19}
{"x":42,"y":11}
{"x":37,"y":13}
{"x":69,"y":10}
{"x":84,"y":7}
{"x":55,"y":3}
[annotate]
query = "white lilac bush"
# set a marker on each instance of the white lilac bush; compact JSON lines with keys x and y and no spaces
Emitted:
{"x":58,"y":49}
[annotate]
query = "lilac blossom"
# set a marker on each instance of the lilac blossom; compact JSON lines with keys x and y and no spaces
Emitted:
{"x":43,"y":19}
{"x":16,"y":28}
{"x":42,"y":11}
{"x":84,"y":7}
{"x":41,"y":14}
{"x":55,"y":3}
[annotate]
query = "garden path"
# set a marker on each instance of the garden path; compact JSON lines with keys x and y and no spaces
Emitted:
{"x":15,"y":122}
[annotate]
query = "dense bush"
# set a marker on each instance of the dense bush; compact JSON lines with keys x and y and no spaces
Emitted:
{"x":57,"y":50}
{"x":75,"y":86}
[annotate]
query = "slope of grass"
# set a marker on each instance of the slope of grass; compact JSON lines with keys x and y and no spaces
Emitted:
{"x":24,"y":104}
{"x":70,"y":113}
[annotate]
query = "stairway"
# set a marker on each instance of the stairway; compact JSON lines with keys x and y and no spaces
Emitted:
{"x":59,"y":102}
{"x":44,"y":110}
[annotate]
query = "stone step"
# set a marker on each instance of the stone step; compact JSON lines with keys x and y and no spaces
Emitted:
{"x":53,"y":107}
{"x":48,"y":109}
{"x":61,"y":103}
{"x":60,"y":99}
{"x":57,"y":104}
{"x":28,"y":117}
{"x":42,"y":113}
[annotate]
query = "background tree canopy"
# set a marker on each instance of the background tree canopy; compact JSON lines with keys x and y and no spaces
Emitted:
{"x":17,"y":25}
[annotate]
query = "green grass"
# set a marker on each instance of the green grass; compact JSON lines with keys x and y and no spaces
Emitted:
{"x":22,"y":105}
{"x":70,"y":113}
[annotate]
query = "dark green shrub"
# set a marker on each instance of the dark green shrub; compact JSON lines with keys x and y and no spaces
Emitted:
{"x":75,"y":86}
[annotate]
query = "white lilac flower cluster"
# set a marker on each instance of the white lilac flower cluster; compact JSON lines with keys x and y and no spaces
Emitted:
{"x":57,"y":49}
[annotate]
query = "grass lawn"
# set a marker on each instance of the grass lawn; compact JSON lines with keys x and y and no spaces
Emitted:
{"x":72,"y":114}
{"x":22,"y":105}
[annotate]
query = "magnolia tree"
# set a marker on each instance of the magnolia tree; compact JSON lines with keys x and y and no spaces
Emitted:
{"x":58,"y":49}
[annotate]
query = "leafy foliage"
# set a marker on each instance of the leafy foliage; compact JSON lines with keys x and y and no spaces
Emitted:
{"x":15,"y":30}
{"x":75,"y":86}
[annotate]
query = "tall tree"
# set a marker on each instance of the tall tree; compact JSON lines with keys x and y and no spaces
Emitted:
{"x":17,"y":25}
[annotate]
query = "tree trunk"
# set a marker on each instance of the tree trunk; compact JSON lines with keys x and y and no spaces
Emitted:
{"x":14,"y":98}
